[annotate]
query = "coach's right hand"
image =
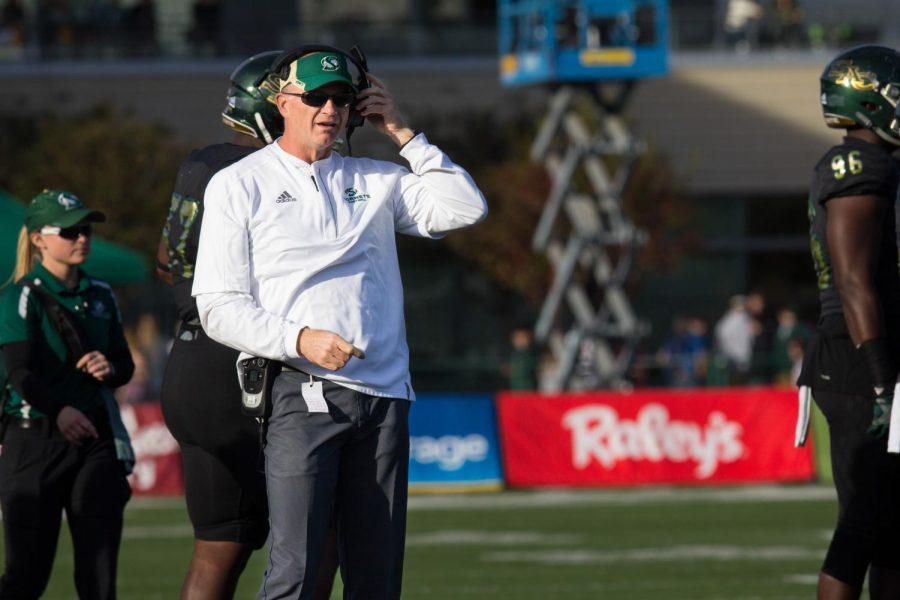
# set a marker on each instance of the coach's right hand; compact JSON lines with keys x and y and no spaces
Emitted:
{"x":326,"y":348}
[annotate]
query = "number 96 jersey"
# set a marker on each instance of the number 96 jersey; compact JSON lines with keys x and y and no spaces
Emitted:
{"x":854,"y":168}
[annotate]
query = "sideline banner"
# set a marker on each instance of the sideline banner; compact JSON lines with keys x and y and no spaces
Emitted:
{"x":157,"y":471}
{"x":725,"y":435}
{"x":453,"y":446}
{"x":453,"y":443}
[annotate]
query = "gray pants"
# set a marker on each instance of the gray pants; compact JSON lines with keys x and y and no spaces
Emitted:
{"x":353,"y":460}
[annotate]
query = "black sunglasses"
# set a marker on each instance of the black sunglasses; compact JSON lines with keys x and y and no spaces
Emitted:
{"x":72,"y":233}
{"x":317,"y":99}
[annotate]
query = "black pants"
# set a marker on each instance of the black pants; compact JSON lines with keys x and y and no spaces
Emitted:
{"x":42,"y":475}
{"x":224,"y":487}
{"x":867,"y":479}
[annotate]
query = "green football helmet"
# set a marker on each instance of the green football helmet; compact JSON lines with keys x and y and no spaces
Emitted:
{"x":250,"y":103}
{"x":861,"y":88}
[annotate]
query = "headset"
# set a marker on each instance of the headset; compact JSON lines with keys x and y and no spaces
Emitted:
{"x":282,"y":69}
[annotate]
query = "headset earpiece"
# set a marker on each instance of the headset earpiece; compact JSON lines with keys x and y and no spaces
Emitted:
{"x":355,"y":119}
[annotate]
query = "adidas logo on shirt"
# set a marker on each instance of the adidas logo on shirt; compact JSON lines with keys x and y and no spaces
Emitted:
{"x":285,"y":197}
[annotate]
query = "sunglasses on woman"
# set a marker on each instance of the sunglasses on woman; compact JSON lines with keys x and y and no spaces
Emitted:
{"x":69,"y":233}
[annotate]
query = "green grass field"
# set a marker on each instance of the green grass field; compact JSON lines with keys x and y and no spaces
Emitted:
{"x":741,"y":543}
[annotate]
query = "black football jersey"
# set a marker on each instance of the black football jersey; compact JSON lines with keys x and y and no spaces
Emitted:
{"x":854,"y":168}
{"x":182,"y":229}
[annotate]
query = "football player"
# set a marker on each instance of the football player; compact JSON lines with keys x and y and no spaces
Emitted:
{"x":852,"y":364}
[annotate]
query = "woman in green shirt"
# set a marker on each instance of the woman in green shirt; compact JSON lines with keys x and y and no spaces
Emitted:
{"x":64,"y":446}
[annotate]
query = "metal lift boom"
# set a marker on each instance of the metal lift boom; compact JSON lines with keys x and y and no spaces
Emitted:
{"x":591,"y":53}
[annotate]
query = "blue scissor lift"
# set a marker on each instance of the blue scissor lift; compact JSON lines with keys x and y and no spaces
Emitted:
{"x":591,"y":53}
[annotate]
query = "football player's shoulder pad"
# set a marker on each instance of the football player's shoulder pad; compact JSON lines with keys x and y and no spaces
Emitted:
{"x":857,"y":168}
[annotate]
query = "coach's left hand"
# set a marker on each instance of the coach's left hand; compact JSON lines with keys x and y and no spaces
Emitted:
{"x":96,"y":365}
{"x":377,"y":105}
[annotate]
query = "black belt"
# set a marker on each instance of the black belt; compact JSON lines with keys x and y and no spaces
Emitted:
{"x":287,"y":367}
{"x":25,"y":423}
{"x":97,"y":416}
{"x":188,"y":330}
{"x":43,"y":424}
{"x":191,"y":324}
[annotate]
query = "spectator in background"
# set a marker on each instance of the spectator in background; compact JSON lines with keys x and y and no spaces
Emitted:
{"x":669,"y":356}
{"x":522,"y":367}
{"x":742,"y":19}
{"x":138,"y":389}
{"x":698,"y":348}
{"x":139,"y":24}
{"x":204,"y":32}
{"x":734,"y":340}
{"x":763,"y":328}
{"x":56,"y":33}
{"x":796,"y":348}
{"x":788,"y":24}
{"x":683,"y":355}
{"x":154,"y":346}
{"x":547,"y":372}
{"x":13,"y":15}
{"x":12,"y":29}
{"x":106,"y":21}
{"x":787,"y":346}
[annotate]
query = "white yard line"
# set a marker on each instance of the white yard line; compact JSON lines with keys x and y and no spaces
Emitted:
{"x":645,"y":496}
{"x":145,"y":532}
{"x":490,"y":538}
{"x":803,"y":579}
{"x":672,"y":554}
{"x":540,"y":498}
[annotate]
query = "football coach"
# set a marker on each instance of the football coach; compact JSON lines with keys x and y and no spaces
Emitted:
{"x":298,"y":263}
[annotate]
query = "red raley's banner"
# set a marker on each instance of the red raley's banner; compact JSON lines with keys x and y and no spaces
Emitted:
{"x":157,"y":471}
{"x":699,"y":436}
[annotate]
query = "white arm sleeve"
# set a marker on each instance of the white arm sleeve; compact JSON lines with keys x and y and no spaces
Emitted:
{"x":438,"y":196}
{"x":222,"y":287}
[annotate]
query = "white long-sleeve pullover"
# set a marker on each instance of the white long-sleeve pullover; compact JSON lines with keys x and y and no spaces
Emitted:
{"x":286,"y":244}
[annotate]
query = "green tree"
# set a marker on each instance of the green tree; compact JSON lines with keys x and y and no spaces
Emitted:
{"x":126,"y":167}
{"x":496,"y":154}
{"x":116,"y":163}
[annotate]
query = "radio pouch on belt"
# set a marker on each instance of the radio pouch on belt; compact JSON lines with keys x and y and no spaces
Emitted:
{"x":257,"y":376}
